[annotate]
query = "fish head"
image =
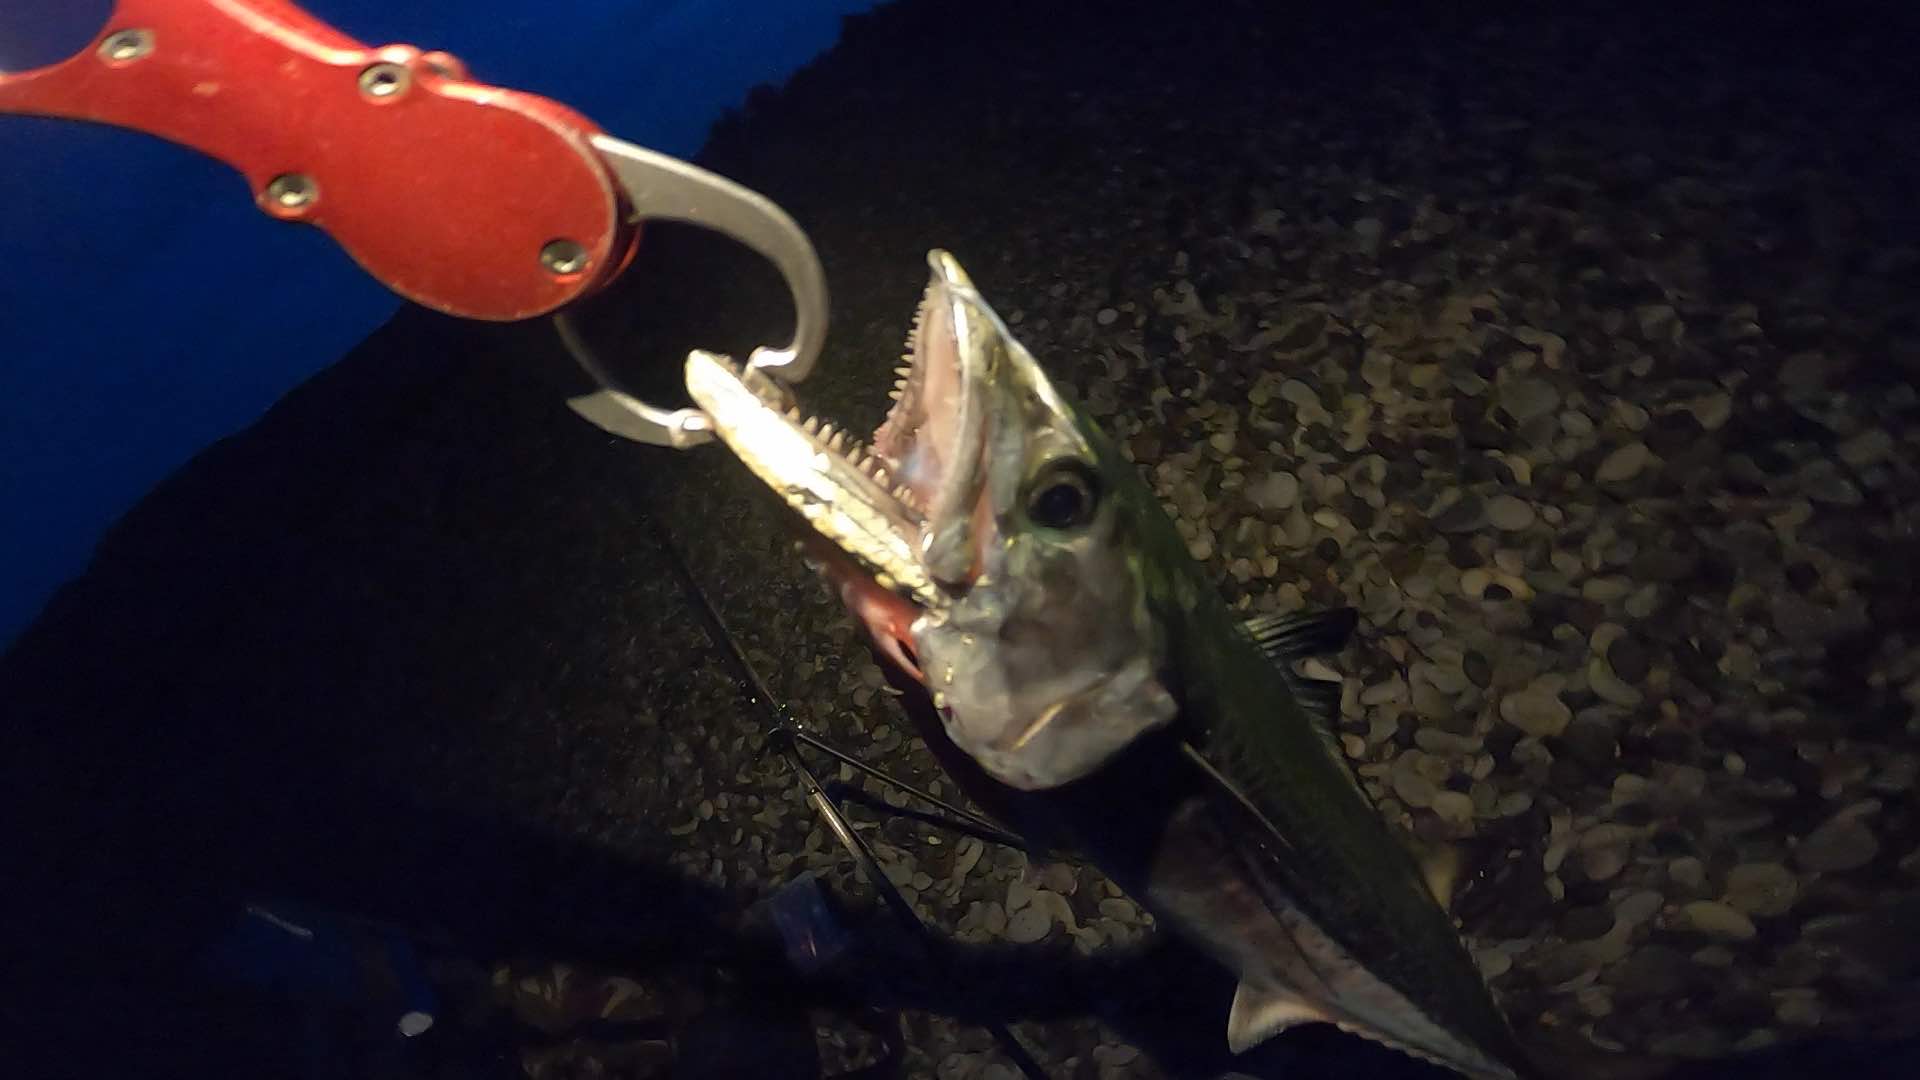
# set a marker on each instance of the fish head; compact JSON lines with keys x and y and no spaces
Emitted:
{"x":980,"y":540}
{"x":1041,"y":652}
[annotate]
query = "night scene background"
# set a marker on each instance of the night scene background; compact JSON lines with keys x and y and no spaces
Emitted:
{"x":351,"y":675}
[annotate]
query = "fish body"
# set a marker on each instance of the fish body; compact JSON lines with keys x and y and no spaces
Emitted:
{"x":1010,"y":557}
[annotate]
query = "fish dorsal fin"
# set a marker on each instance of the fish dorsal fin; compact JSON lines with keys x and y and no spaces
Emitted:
{"x":1299,"y":635}
{"x":1262,"y":1011}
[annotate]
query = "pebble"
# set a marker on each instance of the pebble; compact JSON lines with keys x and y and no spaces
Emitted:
{"x":1712,"y":411}
{"x":1628,"y":415}
{"x":1477,"y":668}
{"x":1383,"y":693}
{"x":1799,"y":620}
{"x":1493,"y":962}
{"x":1688,"y":873}
{"x":1644,"y":601}
{"x":1762,"y":889}
{"x":1453,"y":807}
{"x":1628,"y":659}
{"x":1509,"y":514}
{"x":1695,"y":1043}
{"x":1606,"y":589}
{"x":1603,"y":863}
{"x":1058,"y":878}
{"x":1609,"y":687}
{"x":1376,"y":369}
{"x":1715,"y":919}
{"x":1528,"y":398}
{"x":1654,"y":972}
{"x":1798,"y":1007}
{"x":1637,"y":907}
{"x":1029,"y":925}
{"x":1106,"y":316}
{"x":1275,"y":491}
{"x":1410,"y":787}
{"x":1591,"y":741}
{"x":1536,"y":710}
{"x":1843,"y":843}
{"x":1585,"y":923}
{"x":1870,"y":447}
{"x":1468,"y":514}
{"x":967,"y":856}
{"x":1623,"y":464}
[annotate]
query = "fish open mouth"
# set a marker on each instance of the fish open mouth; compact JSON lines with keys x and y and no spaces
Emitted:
{"x":880,"y":501}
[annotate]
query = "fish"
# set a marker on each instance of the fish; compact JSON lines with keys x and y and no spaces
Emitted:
{"x":998,"y":548}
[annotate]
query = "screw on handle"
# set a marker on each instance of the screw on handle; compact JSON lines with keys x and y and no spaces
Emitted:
{"x":454,"y":194}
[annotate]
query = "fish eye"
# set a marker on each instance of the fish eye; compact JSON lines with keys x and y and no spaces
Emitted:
{"x":1063,"y":496}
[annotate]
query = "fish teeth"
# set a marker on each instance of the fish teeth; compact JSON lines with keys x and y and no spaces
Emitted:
{"x":793,"y":413}
{"x":811,"y":425}
{"x":894,"y":394}
{"x":837,"y":442}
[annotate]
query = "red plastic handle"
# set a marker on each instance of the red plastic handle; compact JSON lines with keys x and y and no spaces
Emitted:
{"x":470,"y":199}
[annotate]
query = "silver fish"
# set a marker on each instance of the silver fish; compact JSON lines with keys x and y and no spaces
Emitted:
{"x":999,"y":547}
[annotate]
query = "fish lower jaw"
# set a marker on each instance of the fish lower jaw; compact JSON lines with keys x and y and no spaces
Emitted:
{"x":844,"y":490}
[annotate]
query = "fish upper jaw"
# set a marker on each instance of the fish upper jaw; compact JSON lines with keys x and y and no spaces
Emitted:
{"x":1032,"y":635}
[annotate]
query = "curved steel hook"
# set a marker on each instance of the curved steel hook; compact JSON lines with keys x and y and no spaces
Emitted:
{"x":666,"y":188}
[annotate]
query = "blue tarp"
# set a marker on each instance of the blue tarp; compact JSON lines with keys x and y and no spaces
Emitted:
{"x":147,"y":309}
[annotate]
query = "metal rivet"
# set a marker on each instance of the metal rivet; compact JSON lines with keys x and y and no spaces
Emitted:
{"x":384,"y":80}
{"x":292,"y":191}
{"x":563,"y":256}
{"x":123,"y":46}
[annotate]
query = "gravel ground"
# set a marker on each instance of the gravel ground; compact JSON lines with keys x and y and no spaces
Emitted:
{"x":1578,"y":353}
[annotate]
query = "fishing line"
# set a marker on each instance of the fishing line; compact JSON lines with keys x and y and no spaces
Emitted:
{"x":783,"y":728}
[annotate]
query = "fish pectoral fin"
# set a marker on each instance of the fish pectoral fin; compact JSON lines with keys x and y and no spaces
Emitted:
{"x":1261,"y":1011}
{"x":1320,"y":698}
{"x":1286,"y":638}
